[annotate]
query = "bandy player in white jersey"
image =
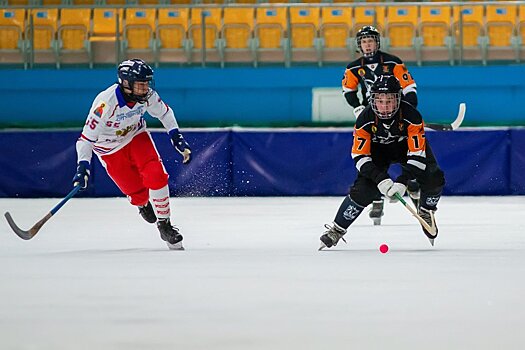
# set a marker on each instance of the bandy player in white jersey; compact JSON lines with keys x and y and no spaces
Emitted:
{"x":116,"y":131}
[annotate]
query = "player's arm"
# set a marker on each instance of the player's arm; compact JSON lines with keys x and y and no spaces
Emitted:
{"x":362,"y":155}
{"x":416,"y":155}
{"x":407,"y":83}
{"x":350,"y":83}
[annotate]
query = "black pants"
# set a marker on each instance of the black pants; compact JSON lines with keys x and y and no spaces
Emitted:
{"x":431,"y":181}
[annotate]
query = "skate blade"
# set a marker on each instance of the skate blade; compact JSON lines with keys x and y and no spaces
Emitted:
{"x":376,"y":221}
{"x":176,"y":246}
{"x":322,"y":246}
{"x":431,"y":241}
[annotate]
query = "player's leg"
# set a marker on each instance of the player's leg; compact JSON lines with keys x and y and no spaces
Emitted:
{"x":155,"y":178}
{"x":431,"y":183}
{"x":362,"y":193}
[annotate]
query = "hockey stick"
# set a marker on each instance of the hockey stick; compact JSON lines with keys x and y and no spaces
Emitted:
{"x":455,"y":124}
{"x":27,"y":235}
{"x":419,"y":218}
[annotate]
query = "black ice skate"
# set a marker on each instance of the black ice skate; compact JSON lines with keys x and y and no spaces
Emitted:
{"x":428,"y":216}
{"x":148,"y":213}
{"x":332,"y":236}
{"x":376,"y":212}
{"x":170,"y":234}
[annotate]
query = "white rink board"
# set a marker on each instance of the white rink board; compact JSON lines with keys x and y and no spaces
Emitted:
{"x":97,"y":277}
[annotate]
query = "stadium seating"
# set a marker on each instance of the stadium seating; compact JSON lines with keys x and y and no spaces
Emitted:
{"x":42,"y":35}
{"x":469,"y":33}
{"x":501,"y":32}
{"x":305,"y":43}
{"x":271,"y":35}
{"x":237,"y":34}
{"x":212,"y":18}
{"x":401,"y":31}
{"x":73,"y":35}
{"x":68,"y":31}
{"x":139,"y":32}
{"x":335,"y":32}
{"x":435,"y":40}
{"x":172,"y":41}
{"x":12,"y":45}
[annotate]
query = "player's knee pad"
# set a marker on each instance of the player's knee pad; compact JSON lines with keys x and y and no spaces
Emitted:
{"x":154,"y":175}
{"x":363,"y":195}
{"x":140,"y":197}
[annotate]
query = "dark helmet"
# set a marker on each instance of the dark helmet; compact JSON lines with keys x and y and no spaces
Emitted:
{"x":385,"y":96}
{"x":368,"y":32}
{"x":131,"y":71}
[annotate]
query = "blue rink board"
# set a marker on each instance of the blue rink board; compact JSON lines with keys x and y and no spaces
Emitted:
{"x":286,"y":162}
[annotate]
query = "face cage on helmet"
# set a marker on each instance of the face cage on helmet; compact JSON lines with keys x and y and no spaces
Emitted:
{"x":141,"y":98}
{"x":382,"y":115}
{"x":373,"y":36}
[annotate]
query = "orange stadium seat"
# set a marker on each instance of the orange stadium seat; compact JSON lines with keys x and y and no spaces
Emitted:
{"x":212,"y":22}
{"x":435,"y":40}
{"x":12,"y":25}
{"x":180,"y":2}
{"x":73,"y":34}
{"x":44,"y":34}
{"x":305,"y":43}
{"x":148,"y":2}
{"x":171,"y":34}
{"x":18,"y":2}
{"x":83,"y":2}
{"x":470,"y":36}
{"x":139,"y":31}
{"x":335,"y":34}
{"x":501,"y":32}
{"x":51,"y":2}
{"x":271,"y":34}
{"x":237,"y":34}
{"x":401,"y":31}
{"x":115,"y":2}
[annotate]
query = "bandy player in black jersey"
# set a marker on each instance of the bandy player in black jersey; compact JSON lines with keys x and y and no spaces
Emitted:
{"x":359,"y":77}
{"x":389,"y":131}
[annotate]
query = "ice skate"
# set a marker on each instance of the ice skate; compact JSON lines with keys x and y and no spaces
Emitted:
{"x":428,"y":216}
{"x":147,"y":213}
{"x":414,"y":193}
{"x":332,"y":236}
{"x":170,"y":234}
{"x":376,"y":212}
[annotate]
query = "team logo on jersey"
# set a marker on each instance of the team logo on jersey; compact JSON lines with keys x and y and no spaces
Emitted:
{"x":99,"y":110}
{"x":401,"y":126}
{"x":374,"y":129}
{"x":386,"y":69}
{"x":361,"y":72}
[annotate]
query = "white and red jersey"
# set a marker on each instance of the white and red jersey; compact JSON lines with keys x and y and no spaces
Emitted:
{"x":112,"y":123}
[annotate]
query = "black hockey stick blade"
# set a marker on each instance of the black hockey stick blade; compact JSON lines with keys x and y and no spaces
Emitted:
{"x":455,"y":124}
{"x":26,"y":235}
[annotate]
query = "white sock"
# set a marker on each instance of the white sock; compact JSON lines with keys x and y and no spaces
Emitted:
{"x":161,"y":202}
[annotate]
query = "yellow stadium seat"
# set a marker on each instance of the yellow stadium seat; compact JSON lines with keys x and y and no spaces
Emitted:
{"x":42,"y":33}
{"x":115,"y":2}
{"x":148,"y":2}
{"x":305,"y":22}
{"x":18,"y":2}
{"x":51,"y":2}
{"x":402,"y":26}
{"x":105,"y":24}
{"x":12,"y":25}
{"x":212,"y":20}
{"x":521,"y":26}
{"x":470,"y":36}
{"x":271,"y":34}
{"x":501,"y":31}
{"x":180,"y":2}
{"x":335,"y":33}
{"x":237,"y":34}
{"x":83,"y":2}
{"x":237,"y":27}
{"x":73,"y":35}
{"x":435,"y":40}
{"x":171,"y":34}
{"x":369,"y":15}
{"x":139,"y":28}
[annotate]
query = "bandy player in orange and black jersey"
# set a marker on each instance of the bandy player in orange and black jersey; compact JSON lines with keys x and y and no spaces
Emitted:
{"x":374,"y":63}
{"x":389,"y":131}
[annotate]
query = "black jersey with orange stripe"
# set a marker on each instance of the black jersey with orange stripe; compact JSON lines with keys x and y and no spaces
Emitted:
{"x":381,"y":142}
{"x":364,"y":71}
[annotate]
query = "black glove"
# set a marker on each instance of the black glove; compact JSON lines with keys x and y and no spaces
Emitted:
{"x":82,"y":175}
{"x":180,"y":145}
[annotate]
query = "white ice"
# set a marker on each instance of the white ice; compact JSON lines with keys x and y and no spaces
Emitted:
{"x":98,"y":277}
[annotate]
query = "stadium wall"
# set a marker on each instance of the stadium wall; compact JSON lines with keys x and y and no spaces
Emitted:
{"x":263,"y":162}
{"x":257,"y":97}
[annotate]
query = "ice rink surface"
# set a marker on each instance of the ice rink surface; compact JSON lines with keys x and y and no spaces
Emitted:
{"x":98,"y":277}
